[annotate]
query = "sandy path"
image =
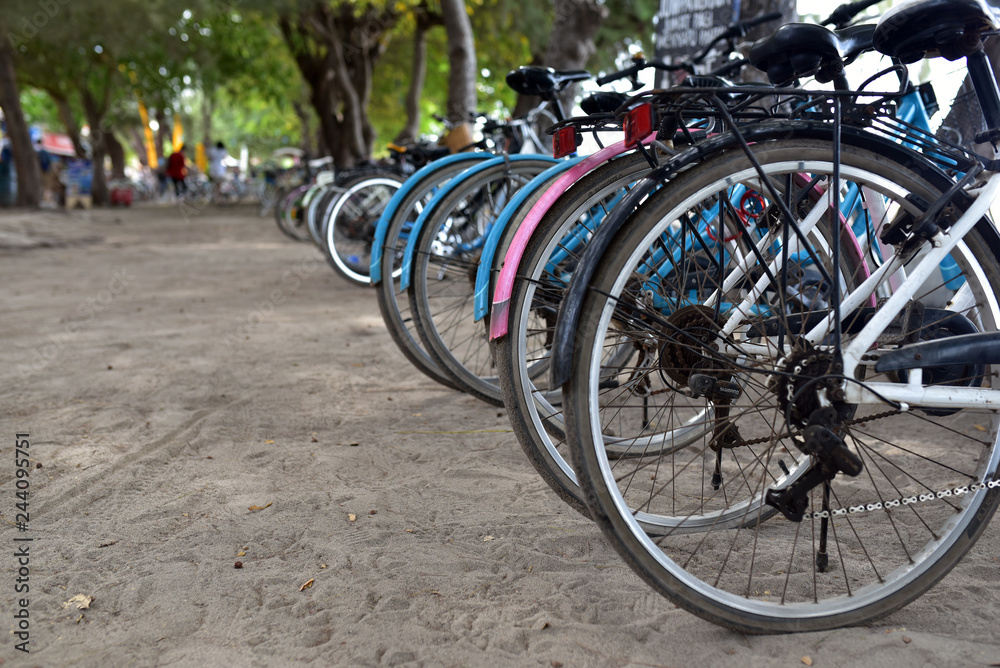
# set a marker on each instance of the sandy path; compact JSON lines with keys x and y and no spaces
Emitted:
{"x":172,"y":374}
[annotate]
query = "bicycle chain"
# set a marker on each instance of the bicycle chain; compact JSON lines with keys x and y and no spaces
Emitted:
{"x":904,"y":500}
{"x":870,"y":507}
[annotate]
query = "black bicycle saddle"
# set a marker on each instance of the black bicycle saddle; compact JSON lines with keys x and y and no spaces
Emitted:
{"x":602,"y":102}
{"x":543,"y":81}
{"x":926,"y":28}
{"x":805,"y":49}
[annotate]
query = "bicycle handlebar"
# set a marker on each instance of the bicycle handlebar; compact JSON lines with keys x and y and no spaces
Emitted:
{"x":632,"y":70}
{"x":739,"y":29}
{"x":842,"y":15}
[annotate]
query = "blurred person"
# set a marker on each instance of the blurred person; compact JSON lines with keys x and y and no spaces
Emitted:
{"x":177,"y":170}
{"x":217,"y":166}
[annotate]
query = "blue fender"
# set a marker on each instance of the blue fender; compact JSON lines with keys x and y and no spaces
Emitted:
{"x":482,"y":295}
{"x":429,"y":210}
{"x":375,"y":268}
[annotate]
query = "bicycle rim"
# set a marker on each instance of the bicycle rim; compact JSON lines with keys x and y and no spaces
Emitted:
{"x":713,"y":553}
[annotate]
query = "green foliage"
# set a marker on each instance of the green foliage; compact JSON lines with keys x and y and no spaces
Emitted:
{"x":39,"y":109}
{"x":254,"y":122}
{"x":629,"y":26}
{"x":231,"y":56}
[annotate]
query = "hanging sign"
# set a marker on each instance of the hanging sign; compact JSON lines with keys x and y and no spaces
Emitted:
{"x":685,"y":27}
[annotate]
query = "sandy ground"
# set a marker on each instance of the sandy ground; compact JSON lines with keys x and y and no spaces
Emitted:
{"x":175,"y":373}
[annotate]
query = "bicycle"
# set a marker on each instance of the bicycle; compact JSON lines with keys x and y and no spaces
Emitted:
{"x":760,"y":417}
{"x":535,"y":268}
{"x":354,"y":204}
{"x":392,"y":234}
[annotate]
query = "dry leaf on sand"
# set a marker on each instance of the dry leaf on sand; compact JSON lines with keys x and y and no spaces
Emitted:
{"x":81,"y":601}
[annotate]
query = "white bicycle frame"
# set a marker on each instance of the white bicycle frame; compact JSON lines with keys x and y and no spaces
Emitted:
{"x":904,"y":394}
{"x":912,"y":392}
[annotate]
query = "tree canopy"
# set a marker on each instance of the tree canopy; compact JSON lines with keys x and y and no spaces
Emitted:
{"x":337,"y":77}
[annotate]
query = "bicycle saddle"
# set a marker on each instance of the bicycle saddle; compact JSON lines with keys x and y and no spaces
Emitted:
{"x":928,"y":28}
{"x":602,"y":102}
{"x":543,"y":81}
{"x":804,"y":49}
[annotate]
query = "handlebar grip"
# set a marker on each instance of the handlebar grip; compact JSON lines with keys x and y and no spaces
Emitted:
{"x":615,"y":76}
{"x":847,"y":11}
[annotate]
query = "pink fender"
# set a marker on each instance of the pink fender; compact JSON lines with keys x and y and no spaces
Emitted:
{"x":512,"y":260}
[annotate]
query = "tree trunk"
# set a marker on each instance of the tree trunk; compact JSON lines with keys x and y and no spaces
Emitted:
{"x":753,"y":8}
{"x":138,"y":140}
{"x":312,"y":58}
{"x":462,"y":75}
{"x":29,"y":172}
{"x":570,"y":46}
{"x":425,"y":20}
{"x":352,"y":145}
{"x":98,"y":138}
{"x":308,"y":134}
{"x":162,"y":134}
{"x":322,"y":101}
{"x":69,"y":122}
{"x":418,"y":73}
{"x":206,"y":122}
{"x":965,"y":118}
{"x":335,"y":49}
{"x":572,"y":41}
{"x":116,"y":152}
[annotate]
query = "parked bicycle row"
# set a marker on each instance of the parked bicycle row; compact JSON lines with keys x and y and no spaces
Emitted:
{"x":754,"y":336}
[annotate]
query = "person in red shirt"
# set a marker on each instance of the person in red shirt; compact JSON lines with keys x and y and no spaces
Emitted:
{"x":177,"y":170}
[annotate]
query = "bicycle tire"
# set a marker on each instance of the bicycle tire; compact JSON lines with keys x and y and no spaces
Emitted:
{"x":289,"y":214}
{"x":773,"y":585}
{"x":394,"y":307}
{"x":350,"y":225}
{"x":443,"y":304}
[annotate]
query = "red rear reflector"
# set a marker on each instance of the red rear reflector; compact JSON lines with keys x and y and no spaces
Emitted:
{"x":564,"y":142}
{"x":638,"y":124}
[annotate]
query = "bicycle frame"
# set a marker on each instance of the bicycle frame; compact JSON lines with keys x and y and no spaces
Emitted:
{"x":913,"y":391}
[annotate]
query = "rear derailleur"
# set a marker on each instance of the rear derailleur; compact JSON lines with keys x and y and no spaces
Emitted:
{"x":829,"y":456}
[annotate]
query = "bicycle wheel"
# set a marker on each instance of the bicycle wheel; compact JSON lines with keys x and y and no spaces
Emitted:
{"x":269,"y":194}
{"x":229,"y":193}
{"x":535,"y":409}
{"x":290,"y":214}
{"x":318,"y":210}
{"x":350,"y":225}
{"x":394,"y":307}
{"x":721,"y":369}
{"x":446,"y":260}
